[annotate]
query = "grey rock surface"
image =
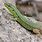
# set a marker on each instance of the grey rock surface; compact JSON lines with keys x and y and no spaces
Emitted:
{"x":11,"y":31}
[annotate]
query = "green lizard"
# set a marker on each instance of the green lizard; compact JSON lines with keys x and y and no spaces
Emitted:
{"x":29,"y":25}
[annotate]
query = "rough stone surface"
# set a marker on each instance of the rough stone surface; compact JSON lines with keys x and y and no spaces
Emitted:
{"x":11,"y":31}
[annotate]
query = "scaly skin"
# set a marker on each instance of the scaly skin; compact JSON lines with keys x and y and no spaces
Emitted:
{"x":23,"y":19}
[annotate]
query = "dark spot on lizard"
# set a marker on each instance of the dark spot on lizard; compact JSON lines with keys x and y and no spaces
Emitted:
{"x":8,"y":5}
{"x":12,"y":10}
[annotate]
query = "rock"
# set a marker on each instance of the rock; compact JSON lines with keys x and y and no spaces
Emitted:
{"x":11,"y":31}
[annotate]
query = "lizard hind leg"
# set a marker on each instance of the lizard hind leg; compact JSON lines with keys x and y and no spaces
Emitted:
{"x":36,"y":31}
